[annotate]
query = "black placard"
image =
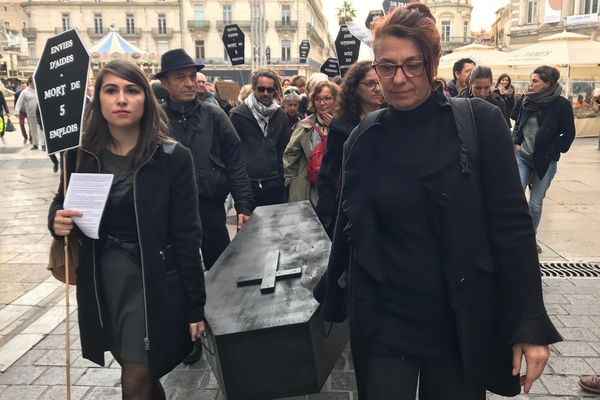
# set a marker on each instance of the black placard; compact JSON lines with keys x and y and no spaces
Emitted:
{"x":331,"y":67}
{"x":304,"y":50}
{"x":347,"y":47}
{"x":233,"y":40}
{"x":371,"y":17}
{"x":389,"y":5}
{"x":61,"y":80}
{"x":268,"y":54}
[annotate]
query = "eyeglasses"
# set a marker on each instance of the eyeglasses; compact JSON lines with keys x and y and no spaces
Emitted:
{"x":262,"y":89}
{"x":410,"y":70}
{"x":325,"y":99}
{"x":370,"y":84}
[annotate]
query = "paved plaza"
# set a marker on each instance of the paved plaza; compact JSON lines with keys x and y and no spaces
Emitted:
{"x":32,"y":306}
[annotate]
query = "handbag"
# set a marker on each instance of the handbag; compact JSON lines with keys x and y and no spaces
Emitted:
{"x":56,"y":263}
{"x":10,"y":127}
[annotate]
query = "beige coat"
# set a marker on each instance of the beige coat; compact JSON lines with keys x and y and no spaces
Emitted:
{"x":295,"y":161}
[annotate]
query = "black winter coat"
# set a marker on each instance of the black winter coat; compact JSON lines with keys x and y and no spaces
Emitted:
{"x":170,"y":236}
{"x":331,"y":166}
{"x":486,"y":240}
{"x":263,"y":155}
{"x":219,"y":164}
{"x":555,"y":135}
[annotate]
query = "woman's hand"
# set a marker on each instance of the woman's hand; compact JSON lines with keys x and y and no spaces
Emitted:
{"x":326,"y":117}
{"x":63,"y":221}
{"x":241,"y":220}
{"x":536,"y":357}
{"x":196,"y":330}
{"x":517,"y":147}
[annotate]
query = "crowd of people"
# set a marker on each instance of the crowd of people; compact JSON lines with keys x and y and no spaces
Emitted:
{"x":420,"y":184}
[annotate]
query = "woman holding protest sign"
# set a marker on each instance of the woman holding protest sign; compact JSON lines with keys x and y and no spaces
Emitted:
{"x":130,"y":291}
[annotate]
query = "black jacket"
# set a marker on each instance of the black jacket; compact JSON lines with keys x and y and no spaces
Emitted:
{"x":329,"y":174}
{"x":509,"y":101}
{"x":494,"y":99}
{"x":451,"y":87}
{"x":263,"y":155}
{"x":217,"y":151}
{"x":486,"y":240}
{"x":555,"y":135}
{"x":170,"y":236}
{"x":3,"y":104}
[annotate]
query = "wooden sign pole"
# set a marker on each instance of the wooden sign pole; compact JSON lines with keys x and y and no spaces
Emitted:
{"x":67,"y":291}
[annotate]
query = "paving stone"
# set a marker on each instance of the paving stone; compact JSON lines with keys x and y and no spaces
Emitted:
{"x":52,"y":342}
{"x":19,"y":392}
{"x":30,"y":358}
{"x":570,"y":366}
{"x":594,"y":363}
{"x":583,"y":309}
{"x":555,"y":298}
{"x":574,"y":334}
{"x":81,"y":362}
{"x":99,"y":377}
{"x":58,"y":375}
{"x":575,"y":349}
{"x":103,"y":393}
{"x":556,"y":309}
{"x":56,"y":357}
{"x":583,"y":299}
{"x":60,"y":393}
{"x":343,"y":381}
{"x":330,"y":396}
{"x":185,"y":379}
{"x":204,"y":394}
{"x":575,"y":321}
{"x":21,"y":375}
{"x":563,"y":385}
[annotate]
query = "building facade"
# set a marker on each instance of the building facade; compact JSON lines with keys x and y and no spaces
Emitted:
{"x":523,"y":22}
{"x":156,"y":26}
{"x":454,"y":22}
{"x":13,"y":46}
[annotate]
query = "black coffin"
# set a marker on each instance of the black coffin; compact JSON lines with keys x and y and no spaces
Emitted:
{"x":265,"y":338}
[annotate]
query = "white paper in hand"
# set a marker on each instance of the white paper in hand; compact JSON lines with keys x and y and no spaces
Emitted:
{"x":88,"y":193}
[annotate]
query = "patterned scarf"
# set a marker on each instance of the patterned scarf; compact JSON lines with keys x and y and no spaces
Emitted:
{"x":261,"y":112}
{"x":540,"y":100}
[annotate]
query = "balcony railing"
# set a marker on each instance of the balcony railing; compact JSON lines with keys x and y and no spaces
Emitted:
{"x":30,"y":33}
{"x":457,"y":39}
{"x":93,"y":32}
{"x":130,"y":33}
{"x":198,"y":25}
{"x":286,"y":25}
{"x":162,"y":32}
{"x":245,"y":24}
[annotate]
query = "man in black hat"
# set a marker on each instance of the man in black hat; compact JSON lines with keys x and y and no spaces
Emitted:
{"x":220,"y":168}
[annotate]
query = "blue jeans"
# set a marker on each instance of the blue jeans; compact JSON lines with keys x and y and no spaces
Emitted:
{"x":538,"y":187}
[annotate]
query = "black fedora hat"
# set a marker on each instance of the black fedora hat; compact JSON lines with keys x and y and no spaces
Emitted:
{"x":176,"y":59}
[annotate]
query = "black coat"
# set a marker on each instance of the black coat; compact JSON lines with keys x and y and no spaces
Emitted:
{"x":509,"y":101}
{"x":170,"y":235}
{"x":486,"y":240}
{"x":3,"y":105}
{"x":263,"y":155}
{"x":331,"y":166}
{"x":555,"y":135}
{"x":219,"y":164}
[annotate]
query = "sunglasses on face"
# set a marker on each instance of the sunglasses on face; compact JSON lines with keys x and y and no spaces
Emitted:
{"x":263,"y":89}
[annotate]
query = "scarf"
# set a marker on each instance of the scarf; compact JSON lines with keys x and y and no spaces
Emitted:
{"x":506,"y":92}
{"x":539,"y":100}
{"x":261,"y":113}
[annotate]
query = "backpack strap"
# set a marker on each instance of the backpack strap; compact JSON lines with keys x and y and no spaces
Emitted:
{"x":373,"y":117}
{"x":467,"y":134}
{"x":315,"y":127}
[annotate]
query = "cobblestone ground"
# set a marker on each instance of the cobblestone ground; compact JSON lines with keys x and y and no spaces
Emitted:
{"x":30,"y":304}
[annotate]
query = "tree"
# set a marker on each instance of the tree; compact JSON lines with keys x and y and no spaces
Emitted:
{"x":346,"y":12}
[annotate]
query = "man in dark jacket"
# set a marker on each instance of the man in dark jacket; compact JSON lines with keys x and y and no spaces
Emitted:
{"x":461,"y":71}
{"x":216,"y":148}
{"x":264,"y":130}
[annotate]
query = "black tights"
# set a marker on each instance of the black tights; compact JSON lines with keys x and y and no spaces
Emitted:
{"x":136,"y":382}
{"x":396,"y":379}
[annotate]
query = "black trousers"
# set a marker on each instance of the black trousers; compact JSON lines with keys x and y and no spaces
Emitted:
{"x":215,"y":237}
{"x":397,"y":378}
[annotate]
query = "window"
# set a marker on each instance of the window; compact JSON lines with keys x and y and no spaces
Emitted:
{"x":531,"y":11}
{"x":66,"y":21}
{"x":199,"y":12}
{"x":199,"y":49}
{"x":592,"y":7}
{"x":130,"y":24}
{"x":227,"y":14}
{"x":286,"y":46}
{"x":286,"y":14}
{"x":98,"y":29}
{"x":466,"y":30}
{"x":162,"y":24}
{"x":163,"y":47}
{"x":445,"y":31}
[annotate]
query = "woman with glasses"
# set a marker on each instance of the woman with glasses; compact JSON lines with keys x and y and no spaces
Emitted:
{"x":303,"y":154}
{"x":433,"y":256}
{"x":360,"y":94}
